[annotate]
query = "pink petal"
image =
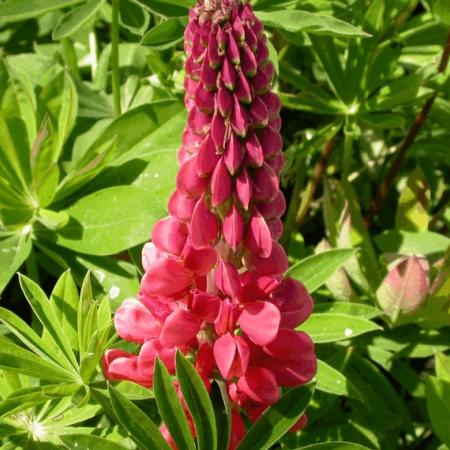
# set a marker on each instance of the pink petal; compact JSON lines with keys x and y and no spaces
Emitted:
{"x":259,"y":116}
{"x":228,"y":74}
{"x":266,"y":183}
{"x":257,"y":236}
{"x":271,"y":141}
{"x":179,"y":328}
{"x":169,"y":235}
{"x":244,"y":188}
{"x":239,"y":120}
{"x":204,"y":225}
{"x":189,"y":183}
{"x":275,"y":208}
{"x":166,"y":278}
{"x":260,"y":321}
{"x":294,"y":302}
{"x":234,"y":154}
{"x":204,"y":99}
{"x":232,"y":355}
{"x":233,"y":50}
{"x":198,"y":261}
{"x":213,"y":51}
{"x":227,"y":278}
{"x":273,"y":104}
{"x":224,"y":101}
{"x":150,"y":254}
{"x":243,"y":91}
{"x":208,"y":74}
{"x":233,"y":227}
{"x":218,"y":132}
{"x":276,"y":263}
{"x":222,"y":38}
{"x":205,"y":306}
{"x":238,"y":29}
{"x":249,"y":64}
{"x":198,"y":121}
{"x":251,"y":40}
{"x":134,"y":322}
{"x":254,"y":153}
{"x":221,"y":184}
{"x":207,"y":157}
{"x":260,"y":385}
{"x":276,"y":228}
{"x":181,"y":206}
{"x":261,"y":82}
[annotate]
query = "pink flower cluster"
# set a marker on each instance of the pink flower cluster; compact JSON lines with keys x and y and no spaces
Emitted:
{"x":213,"y":285}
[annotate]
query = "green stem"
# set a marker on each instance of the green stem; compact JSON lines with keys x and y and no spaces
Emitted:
{"x":347,"y":149}
{"x":70,"y":57}
{"x":115,"y":57}
{"x":32,"y":268}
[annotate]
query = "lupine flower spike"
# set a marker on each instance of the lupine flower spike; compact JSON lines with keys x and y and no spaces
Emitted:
{"x":213,"y":286}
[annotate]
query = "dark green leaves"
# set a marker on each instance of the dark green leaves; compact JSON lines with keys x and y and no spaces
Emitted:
{"x":295,"y":21}
{"x":165,"y":34}
{"x":123,"y":221}
{"x":76,"y":18}
{"x":13,"y":10}
{"x":170,"y":408}
{"x":277,"y":419}
{"x":325,"y":327}
{"x":314,"y":271}
{"x":140,"y":427}
{"x":438,"y":404}
{"x":198,"y":402}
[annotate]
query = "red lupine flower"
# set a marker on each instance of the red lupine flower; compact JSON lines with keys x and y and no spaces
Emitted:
{"x":214,"y":283}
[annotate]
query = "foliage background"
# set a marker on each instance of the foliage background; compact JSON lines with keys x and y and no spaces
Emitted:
{"x":91,"y":117}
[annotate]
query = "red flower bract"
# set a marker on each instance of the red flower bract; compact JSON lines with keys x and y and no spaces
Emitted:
{"x":213,"y":285}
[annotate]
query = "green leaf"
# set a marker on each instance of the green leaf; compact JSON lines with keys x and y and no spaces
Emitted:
{"x":14,"y":250}
{"x":334,"y":382}
{"x":198,"y":402}
{"x":14,"y":10}
{"x":337,"y":445}
{"x":170,"y":408}
{"x":46,"y":315}
{"x":16,"y":359}
{"x":123,"y":221}
{"x":442,"y":366}
{"x":277,"y":419}
{"x":315,"y":270}
{"x":295,"y":21}
{"x":64,"y":299}
{"x":25,"y":398}
{"x":85,"y":441}
{"x":138,"y":424}
{"x":438,"y":405}
{"x":442,"y":9}
{"x":326,"y":327}
{"x":348,"y":308}
{"x":47,"y":350}
{"x":133,"y":16}
{"x":222,"y":412}
{"x":76,"y":18}
{"x":169,"y":8}
{"x":413,"y":203}
{"x":425,"y":243}
{"x":166,"y":34}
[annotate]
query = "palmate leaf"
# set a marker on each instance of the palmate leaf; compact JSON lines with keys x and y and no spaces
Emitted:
{"x":46,"y":315}
{"x":277,"y":419}
{"x":16,"y":359}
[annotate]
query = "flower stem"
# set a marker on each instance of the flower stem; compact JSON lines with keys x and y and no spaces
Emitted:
{"x":115,"y":57}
